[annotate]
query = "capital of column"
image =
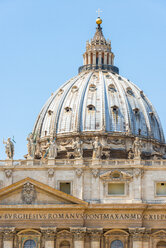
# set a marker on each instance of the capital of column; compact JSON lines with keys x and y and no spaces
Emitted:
{"x":48,"y":233}
{"x":7,"y":233}
{"x":78,"y":233}
{"x":137,"y":233}
{"x":95,"y":233}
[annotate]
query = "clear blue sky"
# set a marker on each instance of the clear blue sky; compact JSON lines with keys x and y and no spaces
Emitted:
{"x":41,"y":47}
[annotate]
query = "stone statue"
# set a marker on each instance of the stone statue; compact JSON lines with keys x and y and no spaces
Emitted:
{"x":97,"y":149}
{"x":137,"y":148}
{"x":38,"y":153}
{"x":9,"y":146}
{"x":53,"y":149}
{"x":130,"y":154}
{"x":31,"y":146}
{"x":77,"y":146}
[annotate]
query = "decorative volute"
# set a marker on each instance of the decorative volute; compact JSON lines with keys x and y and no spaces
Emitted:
{"x":98,"y":50}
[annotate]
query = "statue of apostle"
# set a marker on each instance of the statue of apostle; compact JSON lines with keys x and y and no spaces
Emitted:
{"x":53,"y":149}
{"x":9,"y":146}
{"x":137,"y":148}
{"x":77,"y":146}
{"x":97,"y":149}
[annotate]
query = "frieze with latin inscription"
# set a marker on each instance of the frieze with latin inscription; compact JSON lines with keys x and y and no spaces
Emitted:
{"x":82,"y":216}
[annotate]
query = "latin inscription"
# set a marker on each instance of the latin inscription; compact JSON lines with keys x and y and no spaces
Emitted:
{"x":75,"y":216}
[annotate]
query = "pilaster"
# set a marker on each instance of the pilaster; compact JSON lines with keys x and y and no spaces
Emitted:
{"x":137,"y":236}
{"x":95,"y":236}
{"x":79,"y":235}
{"x":8,"y":237}
{"x":48,"y":236}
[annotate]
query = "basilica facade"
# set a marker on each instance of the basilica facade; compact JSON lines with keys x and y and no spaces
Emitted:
{"x":94,"y":175}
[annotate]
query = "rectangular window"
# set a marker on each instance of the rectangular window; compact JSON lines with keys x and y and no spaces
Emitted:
{"x":161,"y":189}
{"x":116,"y":189}
{"x":65,"y":187}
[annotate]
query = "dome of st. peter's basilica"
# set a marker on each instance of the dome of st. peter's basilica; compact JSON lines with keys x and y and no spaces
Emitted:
{"x":99,"y":103}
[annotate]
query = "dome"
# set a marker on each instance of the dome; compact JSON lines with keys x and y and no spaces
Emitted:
{"x":98,"y":106}
{"x":99,"y":101}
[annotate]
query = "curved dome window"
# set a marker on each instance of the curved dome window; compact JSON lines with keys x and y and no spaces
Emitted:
{"x":68,"y":109}
{"x":151,"y":114}
{"x":91,"y":107}
{"x":114,"y":109}
{"x":116,"y":244}
{"x":92,"y":87}
{"x":60,"y":92}
{"x":129,"y":91}
{"x":136,"y":111}
{"x":142,"y":93}
{"x":111,"y":88}
{"x":107,"y":76}
{"x":50,"y":112}
{"x":74,"y":89}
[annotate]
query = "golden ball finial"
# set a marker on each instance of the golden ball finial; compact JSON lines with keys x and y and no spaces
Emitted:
{"x":98,"y":21}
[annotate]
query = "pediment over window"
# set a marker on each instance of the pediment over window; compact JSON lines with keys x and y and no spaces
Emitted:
{"x":31,"y":192}
{"x":160,"y":234}
{"x":116,"y":175}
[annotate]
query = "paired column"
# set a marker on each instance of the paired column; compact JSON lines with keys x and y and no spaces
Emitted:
{"x":95,"y":236}
{"x":79,"y":235}
{"x":94,"y":58}
{"x":100,"y":58}
{"x":49,"y":237}
{"x":89,"y":58}
{"x":105,"y":58}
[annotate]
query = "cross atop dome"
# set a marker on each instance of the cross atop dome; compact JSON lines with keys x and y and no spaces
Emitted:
{"x":99,"y":20}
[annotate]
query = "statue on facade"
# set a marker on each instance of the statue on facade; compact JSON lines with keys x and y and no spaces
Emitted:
{"x":9,"y":146}
{"x":38,"y":153}
{"x":53,"y":149}
{"x":77,"y":146}
{"x":31,"y":146}
{"x":97,"y":149}
{"x":130,"y":154}
{"x":137,"y":148}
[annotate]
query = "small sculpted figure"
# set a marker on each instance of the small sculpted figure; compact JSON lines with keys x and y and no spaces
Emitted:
{"x":97,"y":148}
{"x":137,"y":148}
{"x":130,"y":154}
{"x":77,"y":146}
{"x":38,"y":153}
{"x":31,"y":146}
{"x":53,"y":149}
{"x":9,"y":146}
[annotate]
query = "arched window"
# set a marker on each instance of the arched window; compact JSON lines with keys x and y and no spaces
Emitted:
{"x":30,"y":244}
{"x":161,"y":244}
{"x":65,"y":244}
{"x":116,"y":244}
